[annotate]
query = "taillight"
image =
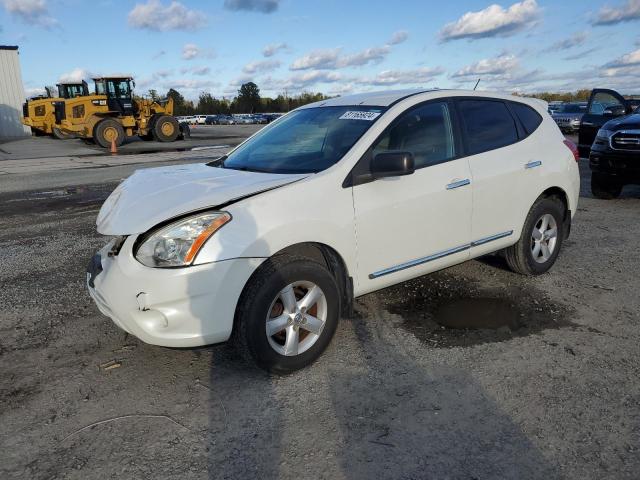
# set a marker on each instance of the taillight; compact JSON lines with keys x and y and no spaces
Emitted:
{"x":572,"y":146}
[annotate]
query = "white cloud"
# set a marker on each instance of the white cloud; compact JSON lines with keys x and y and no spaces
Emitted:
{"x":191,"y":51}
{"x":326,"y":58}
{"x":261,"y":66}
{"x":399,"y":37}
{"x":203,"y":70}
{"x":626,"y":12}
{"x":369,"y":55}
{"x":262,"y":6}
{"x":157,"y":17}
{"x":493,"y":21}
{"x":628,"y":60}
{"x":32,"y":92}
{"x":34,"y":12}
{"x":574,"y":40}
{"x":163,"y":73}
{"x":190,"y":84}
{"x":332,"y":59}
{"x":402,"y":77}
{"x":77,"y":75}
{"x":273,"y":48}
{"x":492,"y":67}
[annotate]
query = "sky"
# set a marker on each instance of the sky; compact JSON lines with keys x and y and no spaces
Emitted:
{"x":331,"y":46}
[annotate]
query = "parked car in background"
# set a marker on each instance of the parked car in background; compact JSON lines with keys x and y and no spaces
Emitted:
{"x":200,"y":119}
{"x":611,"y":130}
{"x":242,"y":120}
{"x":225,"y":120}
{"x":568,"y":116}
{"x":423,"y":179}
{"x":554,"y":106}
{"x":211,"y":119}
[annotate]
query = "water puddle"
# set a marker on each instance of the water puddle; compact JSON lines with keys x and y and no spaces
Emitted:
{"x":446,"y":310}
{"x":478,"y":313}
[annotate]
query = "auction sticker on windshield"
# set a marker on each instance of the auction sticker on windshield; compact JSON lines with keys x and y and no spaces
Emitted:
{"x":368,"y":116}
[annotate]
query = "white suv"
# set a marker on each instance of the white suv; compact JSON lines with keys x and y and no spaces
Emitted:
{"x":332,"y":201}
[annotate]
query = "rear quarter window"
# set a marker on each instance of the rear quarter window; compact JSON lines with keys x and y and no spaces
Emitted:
{"x":529,"y":118}
{"x":488,"y":125}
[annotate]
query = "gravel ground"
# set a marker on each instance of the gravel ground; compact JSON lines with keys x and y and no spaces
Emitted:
{"x":550,"y":391}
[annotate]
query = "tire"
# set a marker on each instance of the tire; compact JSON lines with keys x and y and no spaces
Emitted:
{"x":166,"y":129}
{"x":59,"y":134}
{"x":263,"y":298}
{"x":107,"y":130}
{"x":528,"y":256}
{"x":604,"y":186}
{"x":149,"y":137}
{"x":185,"y":132}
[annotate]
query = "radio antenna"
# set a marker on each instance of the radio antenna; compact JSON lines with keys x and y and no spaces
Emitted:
{"x":477,"y":84}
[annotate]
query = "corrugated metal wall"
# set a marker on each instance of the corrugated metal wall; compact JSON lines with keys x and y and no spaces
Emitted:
{"x":11,"y":96}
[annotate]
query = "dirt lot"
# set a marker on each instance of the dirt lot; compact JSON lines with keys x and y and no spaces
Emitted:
{"x":551,"y":392}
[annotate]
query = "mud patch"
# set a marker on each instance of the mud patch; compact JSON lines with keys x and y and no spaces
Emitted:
{"x":445,"y":310}
{"x":41,"y":201}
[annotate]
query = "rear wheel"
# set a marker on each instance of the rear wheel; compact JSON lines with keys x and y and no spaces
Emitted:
{"x":605,"y":187}
{"x":59,"y":134}
{"x":540,"y":240}
{"x":287,"y":314}
{"x":107,"y":131}
{"x":166,"y":129}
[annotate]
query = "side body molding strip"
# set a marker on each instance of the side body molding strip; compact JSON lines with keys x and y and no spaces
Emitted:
{"x":436,"y":256}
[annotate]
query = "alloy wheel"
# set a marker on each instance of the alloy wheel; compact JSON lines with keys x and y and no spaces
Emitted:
{"x":296,"y":318}
{"x":544,"y":238}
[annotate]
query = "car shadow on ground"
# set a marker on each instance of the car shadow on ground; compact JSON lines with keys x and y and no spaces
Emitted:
{"x":343,"y":418}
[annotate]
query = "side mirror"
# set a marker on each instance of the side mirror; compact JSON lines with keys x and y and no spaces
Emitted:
{"x":392,"y":164}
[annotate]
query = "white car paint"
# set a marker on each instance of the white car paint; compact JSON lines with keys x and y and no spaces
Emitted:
{"x":373,"y":226}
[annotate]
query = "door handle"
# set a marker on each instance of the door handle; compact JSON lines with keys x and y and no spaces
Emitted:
{"x":588,"y":124}
{"x":458,"y":184}
{"x":533,"y":164}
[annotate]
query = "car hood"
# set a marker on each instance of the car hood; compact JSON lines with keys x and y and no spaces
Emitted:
{"x":629,"y":122}
{"x":154,"y":195}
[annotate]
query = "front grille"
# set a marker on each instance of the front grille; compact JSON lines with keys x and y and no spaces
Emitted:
{"x":39,"y":111}
{"x":626,"y":141}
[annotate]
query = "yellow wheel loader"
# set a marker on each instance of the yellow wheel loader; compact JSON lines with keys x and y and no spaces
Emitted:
{"x":38,"y":112}
{"x":112,"y":114}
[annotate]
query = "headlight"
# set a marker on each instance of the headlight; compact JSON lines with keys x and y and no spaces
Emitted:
{"x":177,"y":244}
{"x":602,"y":133}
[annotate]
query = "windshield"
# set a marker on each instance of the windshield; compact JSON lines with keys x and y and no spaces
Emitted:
{"x":305,"y":141}
{"x":573,"y":108}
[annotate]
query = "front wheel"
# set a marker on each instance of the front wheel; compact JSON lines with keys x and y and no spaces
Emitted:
{"x":166,"y":129}
{"x":605,"y":187}
{"x":108,"y":132}
{"x":287,"y":314}
{"x":540,"y":240}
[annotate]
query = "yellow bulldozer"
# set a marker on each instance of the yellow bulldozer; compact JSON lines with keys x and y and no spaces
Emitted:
{"x":38,"y":112}
{"x":113,"y":113}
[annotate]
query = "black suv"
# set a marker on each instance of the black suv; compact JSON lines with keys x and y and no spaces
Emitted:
{"x":610,"y":136}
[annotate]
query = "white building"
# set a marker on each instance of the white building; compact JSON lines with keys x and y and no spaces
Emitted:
{"x":11,"y":95}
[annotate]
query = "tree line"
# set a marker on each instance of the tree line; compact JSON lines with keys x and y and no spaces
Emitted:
{"x":248,"y":100}
{"x":578,"y":96}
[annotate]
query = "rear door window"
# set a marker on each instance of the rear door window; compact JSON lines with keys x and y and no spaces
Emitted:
{"x":529,"y":118}
{"x":488,"y":125}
